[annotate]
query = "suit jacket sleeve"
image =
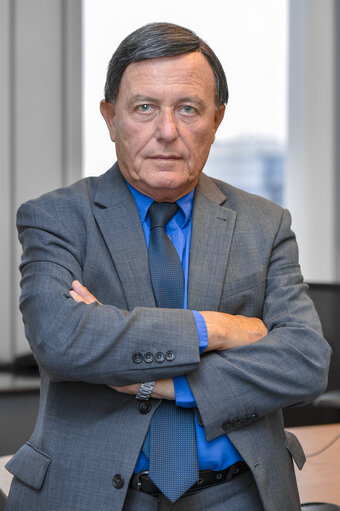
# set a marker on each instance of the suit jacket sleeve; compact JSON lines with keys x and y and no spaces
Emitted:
{"x":93,"y":343}
{"x":289,"y":366}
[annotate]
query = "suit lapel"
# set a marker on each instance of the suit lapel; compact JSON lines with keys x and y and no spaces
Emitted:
{"x":212,"y":231}
{"x":118,"y":219}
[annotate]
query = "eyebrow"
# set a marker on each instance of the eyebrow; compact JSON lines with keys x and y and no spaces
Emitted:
{"x":148,"y":99}
{"x":139,"y":98}
{"x":191,"y":99}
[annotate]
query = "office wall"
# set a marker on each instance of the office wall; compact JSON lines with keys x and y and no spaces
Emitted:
{"x":40,"y":126}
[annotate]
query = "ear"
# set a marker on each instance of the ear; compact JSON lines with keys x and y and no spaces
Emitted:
{"x":107,"y":110}
{"x":219,"y":114}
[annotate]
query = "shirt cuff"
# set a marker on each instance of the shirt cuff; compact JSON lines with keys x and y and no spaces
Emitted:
{"x":202,"y":331}
{"x":183,"y":395}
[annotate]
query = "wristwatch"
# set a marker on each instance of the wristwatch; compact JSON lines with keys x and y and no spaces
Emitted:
{"x":145,"y":391}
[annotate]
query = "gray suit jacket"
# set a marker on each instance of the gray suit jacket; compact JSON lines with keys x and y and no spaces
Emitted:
{"x":243,"y":260}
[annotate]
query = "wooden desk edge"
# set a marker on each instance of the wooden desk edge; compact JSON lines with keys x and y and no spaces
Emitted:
{"x":5,"y":477}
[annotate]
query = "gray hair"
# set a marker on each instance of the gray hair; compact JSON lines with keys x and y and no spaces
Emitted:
{"x":161,"y":40}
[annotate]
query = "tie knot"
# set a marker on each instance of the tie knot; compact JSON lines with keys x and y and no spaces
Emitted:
{"x":161,"y":212}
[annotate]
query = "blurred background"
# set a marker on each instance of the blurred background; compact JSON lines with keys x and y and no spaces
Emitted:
{"x":280,"y":136}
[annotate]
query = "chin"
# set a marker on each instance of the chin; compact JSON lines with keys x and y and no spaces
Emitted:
{"x":169,"y":191}
{"x":169,"y":178}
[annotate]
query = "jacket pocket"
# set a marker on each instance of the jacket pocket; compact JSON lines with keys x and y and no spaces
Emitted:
{"x":234,"y":287}
{"x":293,"y":445}
{"x":244,"y":295}
{"x":29,"y":465}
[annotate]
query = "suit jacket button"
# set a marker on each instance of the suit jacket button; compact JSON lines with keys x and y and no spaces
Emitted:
{"x":145,"y":407}
{"x":236,"y":422}
{"x":253,"y":415}
{"x":118,"y":481}
{"x":226,"y":425}
{"x":170,"y":356}
{"x":159,"y":357}
{"x":137,"y":358}
{"x":148,"y":357}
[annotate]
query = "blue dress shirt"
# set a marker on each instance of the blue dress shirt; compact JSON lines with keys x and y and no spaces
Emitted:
{"x":220,"y":452}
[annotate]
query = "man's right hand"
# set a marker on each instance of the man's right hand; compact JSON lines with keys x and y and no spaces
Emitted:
{"x":227,"y":331}
{"x":80,"y":293}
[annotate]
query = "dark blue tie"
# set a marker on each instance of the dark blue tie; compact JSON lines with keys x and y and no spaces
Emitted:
{"x":171,"y":442}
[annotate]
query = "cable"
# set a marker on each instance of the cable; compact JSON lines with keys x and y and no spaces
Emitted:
{"x":327,"y":446}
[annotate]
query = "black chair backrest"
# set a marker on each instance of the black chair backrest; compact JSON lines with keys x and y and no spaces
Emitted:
{"x":326,"y":298}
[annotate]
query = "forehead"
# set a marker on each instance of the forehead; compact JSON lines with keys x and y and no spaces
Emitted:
{"x":188,"y":71}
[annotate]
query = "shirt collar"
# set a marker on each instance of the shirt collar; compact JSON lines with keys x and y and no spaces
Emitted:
{"x":143,"y":202}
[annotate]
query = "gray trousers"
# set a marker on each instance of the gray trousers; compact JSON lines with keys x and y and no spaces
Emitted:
{"x":239,"y":494}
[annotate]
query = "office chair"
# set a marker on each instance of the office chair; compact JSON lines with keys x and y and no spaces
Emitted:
{"x":22,"y":365}
{"x":318,"y":506}
{"x":329,"y":399}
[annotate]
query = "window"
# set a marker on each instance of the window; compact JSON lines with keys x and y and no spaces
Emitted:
{"x":250,"y":40}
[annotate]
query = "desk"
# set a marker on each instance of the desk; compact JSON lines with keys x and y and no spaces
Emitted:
{"x":319,"y":479}
{"x":5,"y":477}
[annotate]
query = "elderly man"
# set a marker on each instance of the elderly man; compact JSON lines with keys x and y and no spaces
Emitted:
{"x":166,"y":310}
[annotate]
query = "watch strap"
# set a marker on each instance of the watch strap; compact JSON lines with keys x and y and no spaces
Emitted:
{"x":145,"y":391}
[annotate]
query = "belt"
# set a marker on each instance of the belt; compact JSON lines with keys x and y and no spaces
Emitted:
{"x":207,"y":478}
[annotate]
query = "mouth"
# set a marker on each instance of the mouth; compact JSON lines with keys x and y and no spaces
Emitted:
{"x":165,"y":157}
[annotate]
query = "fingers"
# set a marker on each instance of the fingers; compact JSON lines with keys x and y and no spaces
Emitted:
{"x":262,"y":329}
{"x":76,"y":297}
{"x":80,"y":293}
{"x":127,"y":389}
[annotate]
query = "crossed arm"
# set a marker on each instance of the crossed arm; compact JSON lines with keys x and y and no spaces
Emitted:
{"x":94,"y":343}
{"x":225,"y":331}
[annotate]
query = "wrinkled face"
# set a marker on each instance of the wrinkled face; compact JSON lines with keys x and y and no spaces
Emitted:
{"x":163,"y":123}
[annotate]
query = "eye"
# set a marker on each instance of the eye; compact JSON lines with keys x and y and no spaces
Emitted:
{"x":144,"y":108}
{"x":188,"y":109}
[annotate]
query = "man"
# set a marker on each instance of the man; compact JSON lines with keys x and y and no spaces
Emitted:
{"x":113,"y":311}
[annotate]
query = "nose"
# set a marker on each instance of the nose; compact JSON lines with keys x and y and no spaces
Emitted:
{"x":166,"y":126}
